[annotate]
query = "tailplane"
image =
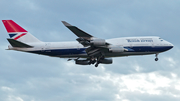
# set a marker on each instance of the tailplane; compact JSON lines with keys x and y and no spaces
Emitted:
{"x":19,"y":44}
{"x":18,"y":33}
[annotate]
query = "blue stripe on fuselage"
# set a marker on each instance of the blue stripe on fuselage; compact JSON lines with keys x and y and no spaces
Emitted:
{"x":59,"y":52}
{"x":149,"y":48}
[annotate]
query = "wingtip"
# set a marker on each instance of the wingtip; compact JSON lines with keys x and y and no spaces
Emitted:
{"x":66,"y":24}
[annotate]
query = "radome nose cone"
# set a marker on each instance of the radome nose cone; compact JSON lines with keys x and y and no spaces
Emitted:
{"x":171,"y":45}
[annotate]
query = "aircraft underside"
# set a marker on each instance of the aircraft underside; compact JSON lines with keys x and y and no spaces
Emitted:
{"x":78,"y":53}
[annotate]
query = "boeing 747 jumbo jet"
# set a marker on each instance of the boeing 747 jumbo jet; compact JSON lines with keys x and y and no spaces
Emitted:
{"x":87,"y":49}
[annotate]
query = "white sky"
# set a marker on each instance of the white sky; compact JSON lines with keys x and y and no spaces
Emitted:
{"x":31,"y":77}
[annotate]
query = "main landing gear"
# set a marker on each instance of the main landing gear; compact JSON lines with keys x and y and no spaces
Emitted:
{"x":156,"y":59}
{"x":96,"y":65}
{"x":92,"y":61}
{"x":98,"y":60}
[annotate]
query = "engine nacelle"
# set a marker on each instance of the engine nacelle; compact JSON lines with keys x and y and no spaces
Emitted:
{"x":98,"y":42}
{"x":117,"y":49}
{"x":106,"y":61}
{"x":82,"y":62}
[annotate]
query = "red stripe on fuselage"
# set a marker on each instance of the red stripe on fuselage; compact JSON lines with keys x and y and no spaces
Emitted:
{"x":20,"y":36}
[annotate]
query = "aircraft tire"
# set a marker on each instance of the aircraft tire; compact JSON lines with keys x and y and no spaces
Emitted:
{"x":156,"y":59}
{"x":96,"y":65}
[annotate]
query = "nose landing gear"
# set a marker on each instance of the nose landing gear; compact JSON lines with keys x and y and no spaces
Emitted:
{"x":156,"y":59}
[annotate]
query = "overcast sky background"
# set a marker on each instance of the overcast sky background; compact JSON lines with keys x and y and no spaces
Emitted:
{"x":31,"y":77}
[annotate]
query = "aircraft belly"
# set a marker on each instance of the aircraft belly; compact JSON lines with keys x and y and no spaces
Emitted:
{"x":127,"y":54}
{"x":61,"y":52}
{"x":80,"y":52}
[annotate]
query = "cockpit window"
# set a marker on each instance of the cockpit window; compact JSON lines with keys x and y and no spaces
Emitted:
{"x":161,"y":39}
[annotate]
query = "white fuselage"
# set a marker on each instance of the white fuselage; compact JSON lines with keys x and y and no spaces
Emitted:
{"x":134,"y":45}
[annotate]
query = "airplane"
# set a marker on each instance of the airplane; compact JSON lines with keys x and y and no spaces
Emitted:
{"x":87,"y":49}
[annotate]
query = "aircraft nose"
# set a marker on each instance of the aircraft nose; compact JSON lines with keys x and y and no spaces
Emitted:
{"x":170,"y":45}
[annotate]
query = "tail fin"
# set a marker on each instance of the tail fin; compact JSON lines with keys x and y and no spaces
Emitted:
{"x":18,"y":33}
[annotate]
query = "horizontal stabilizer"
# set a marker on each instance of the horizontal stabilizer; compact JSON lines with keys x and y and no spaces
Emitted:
{"x":19,"y":44}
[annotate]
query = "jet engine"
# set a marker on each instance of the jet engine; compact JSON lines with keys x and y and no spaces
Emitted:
{"x":82,"y":62}
{"x":117,"y":49}
{"x":106,"y":61}
{"x":98,"y":42}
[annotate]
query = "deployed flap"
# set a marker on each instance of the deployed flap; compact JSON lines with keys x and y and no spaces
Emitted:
{"x":77,"y":31}
{"x":19,"y":44}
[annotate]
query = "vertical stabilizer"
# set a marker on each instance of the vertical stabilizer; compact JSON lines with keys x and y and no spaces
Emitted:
{"x":18,"y":33}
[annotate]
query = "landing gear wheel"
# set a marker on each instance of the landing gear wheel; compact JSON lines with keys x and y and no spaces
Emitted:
{"x":98,"y":59}
{"x":96,"y":65}
{"x":156,"y":59}
{"x":93,"y":61}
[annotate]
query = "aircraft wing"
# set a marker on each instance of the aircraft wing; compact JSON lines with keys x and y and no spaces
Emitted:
{"x":77,"y":31}
{"x":84,"y":38}
{"x":96,"y":47}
